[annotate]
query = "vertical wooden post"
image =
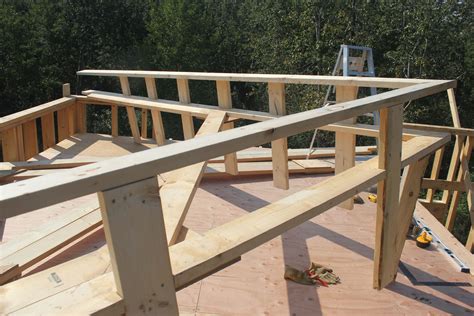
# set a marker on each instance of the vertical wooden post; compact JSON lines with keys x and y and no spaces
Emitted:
{"x":47,"y":130}
{"x":144,"y":127}
{"x":132,"y":116}
{"x":453,"y":108}
{"x":30,"y":139}
{"x":136,"y":238}
{"x":158,"y":129}
{"x":438,"y":158}
{"x":10,"y":145}
{"x":345,"y":142}
{"x":81,"y":118}
{"x":185,"y":97}
{"x":63,"y":124}
{"x":114,"y":113}
{"x":390,"y":144}
{"x":276,"y":97}
{"x":20,"y":143}
{"x":224,"y":99}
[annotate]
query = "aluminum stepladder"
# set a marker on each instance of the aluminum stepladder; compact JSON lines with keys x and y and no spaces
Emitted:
{"x":350,"y":66}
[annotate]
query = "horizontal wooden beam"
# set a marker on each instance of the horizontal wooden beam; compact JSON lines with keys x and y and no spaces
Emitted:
{"x":441,"y":129}
{"x":437,"y":184}
{"x":21,"y":117}
{"x":18,"y":198}
{"x":281,"y":78}
{"x":197,"y":110}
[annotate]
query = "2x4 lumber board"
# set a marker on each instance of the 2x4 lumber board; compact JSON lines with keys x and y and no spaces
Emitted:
{"x":71,"y":117}
{"x":184,"y":96}
{"x":438,"y":159}
{"x":453,"y":165}
{"x":448,"y":239}
{"x":345,"y":142}
{"x":440,"y":129}
{"x":277,"y":106}
{"x":10,"y":150}
{"x":277,"y":78}
{"x":20,"y":142}
{"x":196,"y":110}
{"x":31,"y":194}
{"x":132,"y":216}
{"x":224,"y":99}
{"x":180,"y":185}
{"x":144,"y":123}
{"x":48,"y":131}
{"x":114,"y":120}
{"x":63,"y":124}
{"x":30,"y":139}
{"x":48,"y":239}
{"x":21,"y":117}
{"x":23,"y":293}
{"x":132,"y":116}
{"x":158,"y":129}
{"x":436,"y":184}
{"x":453,"y":107}
{"x":81,"y":118}
{"x":409,"y":192}
{"x":386,"y":229}
{"x":462,"y":176}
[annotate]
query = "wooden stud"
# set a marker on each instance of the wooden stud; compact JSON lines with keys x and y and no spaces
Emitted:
{"x":463,"y":175}
{"x":10,"y":145}
{"x":20,"y":143}
{"x":453,"y":107}
{"x":276,"y":99}
{"x":158,"y":129}
{"x":345,"y":142}
{"x":185,"y":97}
{"x":47,"y":130}
{"x":224,"y":99}
{"x":71,"y":117}
{"x":453,"y":166}
{"x":136,"y":238}
{"x":390,"y":143}
{"x":438,"y":158}
{"x":144,"y":126}
{"x":81,"y":118}
{"x":114,"y":118}
{"x":132,"y":116}
{"x":63,"y":124}
{"x":30,"y":139}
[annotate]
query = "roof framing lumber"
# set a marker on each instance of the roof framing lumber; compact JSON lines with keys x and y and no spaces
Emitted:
{"x":196,"y":110}
{"x":281,"y":78}
{"x":181,"y":184}
{"x":18,"y":198}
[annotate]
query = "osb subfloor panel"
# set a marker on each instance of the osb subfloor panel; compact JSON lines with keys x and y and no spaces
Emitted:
{"x":340,"y":239}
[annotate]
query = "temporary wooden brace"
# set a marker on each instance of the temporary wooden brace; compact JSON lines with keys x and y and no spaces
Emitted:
{"x":438,"y":158}
{"x":185,"y":97}
{"x":132,"y":116}
{"x":462,"y":176}
{"x":453,"y":108}
{"x":134,"y":228}
{"x":277,"y":106}
{"x":193,"y":109}
{"x":345,"y":142}
{"x":409,"y":192}
{"x":181,"y":184}
{"x":224,"y":99}
{"x":158,"y":129}
{"x":388,"y":195}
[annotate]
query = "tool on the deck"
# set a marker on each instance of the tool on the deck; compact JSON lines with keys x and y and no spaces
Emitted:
{"x":358,"y":200}
{"x":372,"y":198}
{"x":424,"y":240}
{"x":315,"y":274}
{"x":350,"y":66}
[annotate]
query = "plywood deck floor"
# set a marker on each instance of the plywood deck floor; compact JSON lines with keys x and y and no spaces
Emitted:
{"x":341,"y":239}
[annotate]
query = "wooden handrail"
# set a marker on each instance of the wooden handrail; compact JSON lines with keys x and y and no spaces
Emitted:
{"x":282,"y":78}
